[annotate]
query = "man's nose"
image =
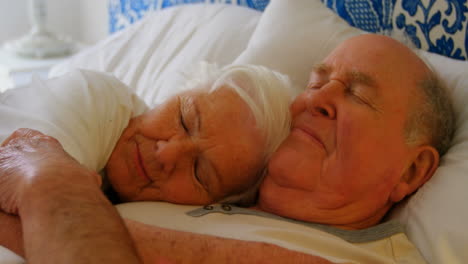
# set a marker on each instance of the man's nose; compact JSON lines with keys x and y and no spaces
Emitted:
{"x":323,"y":101}
{"x":172,"y":152}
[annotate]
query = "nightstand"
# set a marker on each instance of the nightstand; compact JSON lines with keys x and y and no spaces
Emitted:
{"x":16,"y":70}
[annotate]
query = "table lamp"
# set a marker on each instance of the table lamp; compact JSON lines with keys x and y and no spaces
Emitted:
{"x":39,"y":42}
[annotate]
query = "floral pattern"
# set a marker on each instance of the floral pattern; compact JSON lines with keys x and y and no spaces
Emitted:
{"x":436,"y":26}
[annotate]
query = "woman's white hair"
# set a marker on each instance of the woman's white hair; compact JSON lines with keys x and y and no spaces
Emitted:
{"x":268,"y":95}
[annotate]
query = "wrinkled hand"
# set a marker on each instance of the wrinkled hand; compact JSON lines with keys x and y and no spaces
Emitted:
{"x":30,"y":159}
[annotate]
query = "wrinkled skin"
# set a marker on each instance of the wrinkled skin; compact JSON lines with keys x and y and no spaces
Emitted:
{"x":197,"y":147}
{"x":347,"y":160}
{"x":24,"y":156}
{"x":53,"y":194}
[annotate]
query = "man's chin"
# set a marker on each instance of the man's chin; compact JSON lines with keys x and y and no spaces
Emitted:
{"x":275,"y":199}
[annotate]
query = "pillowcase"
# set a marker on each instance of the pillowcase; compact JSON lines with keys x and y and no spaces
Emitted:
{"x":369,"y":15}
{"x":152,"y":55}
{"x":436,"y":26}
{"x":292,"y":36}
{"x":440,"y":26}
{"x":437,"y":214}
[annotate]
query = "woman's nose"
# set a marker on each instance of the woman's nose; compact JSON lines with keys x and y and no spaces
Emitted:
{"x":173,"y":152}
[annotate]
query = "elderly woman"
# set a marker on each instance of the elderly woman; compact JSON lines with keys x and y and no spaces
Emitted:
{"x":208,"y":143}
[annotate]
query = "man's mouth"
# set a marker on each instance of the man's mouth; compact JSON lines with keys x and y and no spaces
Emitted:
{"x":309,"y":136}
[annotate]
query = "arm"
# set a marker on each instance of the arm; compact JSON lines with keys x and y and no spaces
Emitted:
{"x":77,"y":223}
{"x":65,"y":217}
{"x":162,"y":246}
{"x":159,"y":245}
{"x":62,"y":204}
{"x":10,"y":233}
{"x":156,"y":245}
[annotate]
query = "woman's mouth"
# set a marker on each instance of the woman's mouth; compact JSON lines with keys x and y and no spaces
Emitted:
{"x":139,"y":164}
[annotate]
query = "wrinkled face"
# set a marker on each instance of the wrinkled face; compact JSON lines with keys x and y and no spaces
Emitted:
{"x":346,"y":150}
{"x":196,"y":148}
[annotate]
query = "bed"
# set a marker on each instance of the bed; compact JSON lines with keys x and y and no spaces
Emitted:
{"x":150,"y":50}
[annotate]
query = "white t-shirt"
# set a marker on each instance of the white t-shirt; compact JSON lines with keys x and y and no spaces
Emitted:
{"x":383,"y":244}
{"x":86,"y":111}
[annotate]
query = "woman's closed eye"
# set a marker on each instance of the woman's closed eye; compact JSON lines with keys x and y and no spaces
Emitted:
{"x":182,"y":118}
{"x":314,"y":86}
{"x":182,"y":122}
{"x":196,"y":173}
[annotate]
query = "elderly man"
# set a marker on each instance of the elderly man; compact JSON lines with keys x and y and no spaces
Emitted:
{"x":366,"y":133}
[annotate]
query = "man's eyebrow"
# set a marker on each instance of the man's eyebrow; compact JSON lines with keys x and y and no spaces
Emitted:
{"x":353,"y":75}
{"x":362,"y":78}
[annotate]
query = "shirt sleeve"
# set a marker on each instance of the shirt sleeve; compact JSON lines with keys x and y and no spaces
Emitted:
{"x":86,"y":111}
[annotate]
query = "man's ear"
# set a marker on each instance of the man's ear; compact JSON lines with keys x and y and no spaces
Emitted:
{"x":420,"y":169}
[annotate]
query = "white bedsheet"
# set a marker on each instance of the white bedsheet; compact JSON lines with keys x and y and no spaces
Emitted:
{"x":8,"y":257}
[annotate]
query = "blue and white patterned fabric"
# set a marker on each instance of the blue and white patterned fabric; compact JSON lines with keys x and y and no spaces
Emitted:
{"x":125,"y":12}
{"x":369,"y":15}
{"x":438,"y":26}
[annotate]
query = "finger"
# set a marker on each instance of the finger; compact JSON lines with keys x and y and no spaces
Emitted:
{"x":28,"y":133}
{"x":22,"y":133}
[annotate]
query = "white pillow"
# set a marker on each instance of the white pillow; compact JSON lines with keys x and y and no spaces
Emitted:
{"x":437,"y":214}
{"x":151,"y":55}
{"x":294,"y":35}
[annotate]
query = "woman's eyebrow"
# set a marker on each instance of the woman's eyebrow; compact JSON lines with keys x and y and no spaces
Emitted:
{"x":321,"y":68}
{"x":198,"y":115}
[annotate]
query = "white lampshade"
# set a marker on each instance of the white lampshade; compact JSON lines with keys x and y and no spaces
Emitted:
{"x":39,"y":42}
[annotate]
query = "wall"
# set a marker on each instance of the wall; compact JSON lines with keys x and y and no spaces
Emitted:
{"x":85,"y":21}
{"x":12,"y":19}
{"x":94,"y":20}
